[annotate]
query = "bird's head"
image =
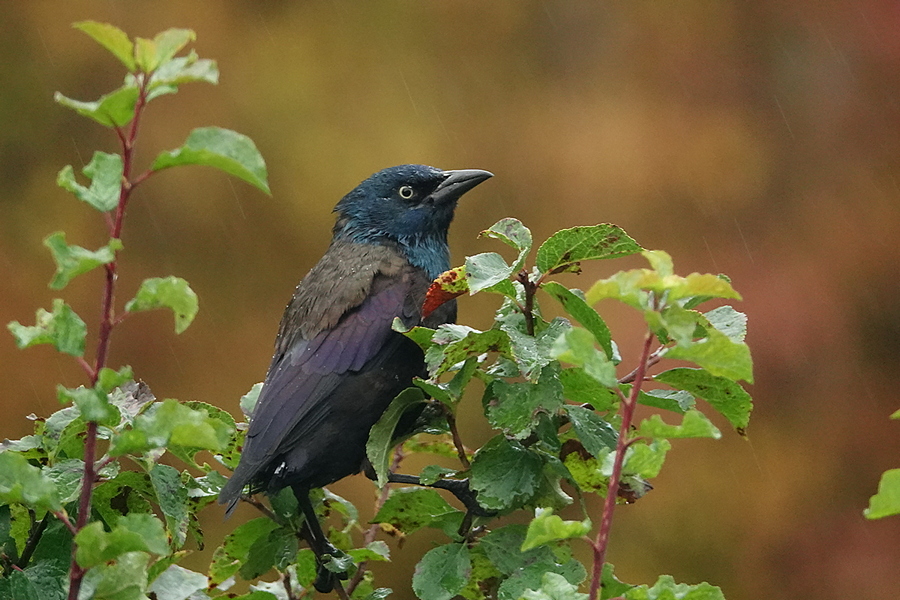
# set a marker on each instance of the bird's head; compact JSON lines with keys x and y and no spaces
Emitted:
{"x":411,"y":205}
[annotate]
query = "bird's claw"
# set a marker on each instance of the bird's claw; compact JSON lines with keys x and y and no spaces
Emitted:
{"x":325,"y":578}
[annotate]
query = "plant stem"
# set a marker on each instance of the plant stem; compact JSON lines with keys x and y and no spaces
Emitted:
{"x":107,"y":322}
{"x":601,"y":543}
{"x":457,"y":440}
{"x":528,"y":310}
{"x":36,"y":531}
{"x":373,"y":530}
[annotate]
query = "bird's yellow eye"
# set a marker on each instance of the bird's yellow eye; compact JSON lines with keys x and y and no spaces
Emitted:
{"x":406,"y":192}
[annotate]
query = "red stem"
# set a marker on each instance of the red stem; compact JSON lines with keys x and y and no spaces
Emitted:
{"x":107,"y":322}
{"x":601,"y":543}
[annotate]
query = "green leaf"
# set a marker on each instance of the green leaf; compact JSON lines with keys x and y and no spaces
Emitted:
{"x":171,"y":422}
{"x":132,"y":533}
{"x":675,"y":323}
{"x":666,"y":589}
{"x":513,"y":406}
{"x":379,"y":446}
{"x":61,"y":327}
{"x":693,"y":425}
{"x":581,"y":388}
{"x":232,"y":554}
{"x":442,"y":572}
{"x":554,"y":587}
{"x":150,"y":54}
{"x":24,"y":483}
{"x":887,"y":501}
{"x":437,"y":391}
{"x":579,"y":310}
{"x":105,"y":172}
{"x":172,"y":498}
{"x":123,"y":579}
{"x":724,"y":395}
{"x":718,"y":354}
{"x":660,"y":261}
{"x":512,"y":233}
{"x":110,"y":379}
{"x":642,"y":459}
{"x":674,"y":400}
{"x":610,"y":585}
{"x":411,"y":509}
{"x":112,"y":38}
{"x":504,"y":474}
{"x":211,"y":430}
{"x":114,"y":109}
{"x":377,"y":551}
{"x":72,"y":261}
{"x":546,"y":527}
{"x":67,"y":476}
{"x":248,"y":400}
{"x":177,"y":583}
{"x":169,"y":42}
{"x":525,"y":570}
{"x":596,"y":434}
{"x":565,"y":248}
{"x":576,"y":346}
{"x":532,"y":353}
{"x":226,"y":150}
{"x":180,"y":70}
{"x":729,"y":321}
{"x":634,"y":287}
{"x":167,"y":292}
{"x":93,"y":404}
{"x":420,"y":335}
{"x":486,"y":270}
{"x":46,"y":577}
{"x":275,"y":549}
{"x":453,"y":344}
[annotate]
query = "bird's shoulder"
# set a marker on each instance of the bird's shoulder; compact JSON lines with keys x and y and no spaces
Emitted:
{"x":343,"y":278}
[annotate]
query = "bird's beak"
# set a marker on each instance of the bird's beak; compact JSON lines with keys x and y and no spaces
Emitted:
{"x":458,"y":183}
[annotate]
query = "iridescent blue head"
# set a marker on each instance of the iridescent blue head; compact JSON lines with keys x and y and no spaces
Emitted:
{"x":411,"y":205}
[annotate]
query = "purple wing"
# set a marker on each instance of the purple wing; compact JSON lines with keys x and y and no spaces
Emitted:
{"x":294,"y":398}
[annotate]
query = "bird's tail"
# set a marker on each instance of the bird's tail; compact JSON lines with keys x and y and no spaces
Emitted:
{"x":231,"y":491}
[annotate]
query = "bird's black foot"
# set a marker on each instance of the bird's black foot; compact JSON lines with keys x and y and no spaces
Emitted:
{"x":326,"y":580}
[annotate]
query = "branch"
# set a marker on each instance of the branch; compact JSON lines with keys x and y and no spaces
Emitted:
{"x":530,"y":289}
{"x":107,"y":322}
{"x":373,"y":529}
{"x":601,"y":543}
{"x":37,"y":530}
{"x":457,"y":440}
{"x":654,"y":358}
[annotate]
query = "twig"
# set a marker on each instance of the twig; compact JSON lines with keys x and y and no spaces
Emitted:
{"x":65,"y":521}
{"x":33,"y":538}
{"x":374,"y":528}
{"x":252,"y":501}
{"x":601,"y":543}
{"x":86,"y":366}
{"x":107,"y":322}
{"x":654,"y":358}
{"x":528,"y":310}
{"x":286,"y":580}
{"x":457,"y":440}
{"x":341,"y":592}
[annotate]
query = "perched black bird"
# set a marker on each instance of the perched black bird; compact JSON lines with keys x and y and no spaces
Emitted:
{"x":337,"y":362}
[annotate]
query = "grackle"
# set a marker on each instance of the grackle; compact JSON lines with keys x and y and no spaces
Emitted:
{"x":337,"y":362}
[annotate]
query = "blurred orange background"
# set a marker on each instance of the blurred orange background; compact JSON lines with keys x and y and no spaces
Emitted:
{"x":759,"y":139}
